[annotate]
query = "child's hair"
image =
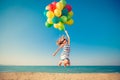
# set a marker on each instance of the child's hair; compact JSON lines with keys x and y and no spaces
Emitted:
{"x":60,"y":40}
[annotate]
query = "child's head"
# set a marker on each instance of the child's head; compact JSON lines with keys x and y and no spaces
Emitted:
{"x":61,"y":40}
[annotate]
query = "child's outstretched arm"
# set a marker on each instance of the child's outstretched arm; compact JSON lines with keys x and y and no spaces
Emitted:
{"x":56,"y":51}
{"x":67,"y":36}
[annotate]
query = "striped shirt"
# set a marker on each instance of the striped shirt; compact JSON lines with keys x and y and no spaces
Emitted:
{"x":66,"y":51}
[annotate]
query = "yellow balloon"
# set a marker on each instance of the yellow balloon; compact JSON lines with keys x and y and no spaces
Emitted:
{"x":59,"y":5}
{"x":56,"y":25}
{"x":49,"y":20}
{"x":70,"y":22}
{"x":61,"y":26}
{"x":71,"y":13}
{"x":50,"y":14}
{"x":57,"y":12}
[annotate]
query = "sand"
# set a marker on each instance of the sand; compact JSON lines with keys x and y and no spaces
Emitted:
{"x":58,"y":76}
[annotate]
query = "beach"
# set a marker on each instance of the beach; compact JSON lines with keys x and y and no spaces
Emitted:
{"x":58,"y":76}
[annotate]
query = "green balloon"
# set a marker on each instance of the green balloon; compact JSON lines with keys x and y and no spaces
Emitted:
{"x":68,"y":17}
{"x":61,"y":28}
{"x":63,"y":19}
{"x":55,"y":20}
{"x":48,"y":25}
{"x":64,"y":2}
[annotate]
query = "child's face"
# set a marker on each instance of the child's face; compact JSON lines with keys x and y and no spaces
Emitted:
{"x":63,"y":42}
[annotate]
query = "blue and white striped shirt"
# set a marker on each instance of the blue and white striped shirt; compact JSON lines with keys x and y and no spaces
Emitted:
{"x":66,"y":51}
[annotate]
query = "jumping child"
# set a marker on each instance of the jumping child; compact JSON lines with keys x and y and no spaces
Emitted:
{"x":64,"y":43}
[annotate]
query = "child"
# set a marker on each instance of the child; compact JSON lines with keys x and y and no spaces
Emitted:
{"x":65,"y":44}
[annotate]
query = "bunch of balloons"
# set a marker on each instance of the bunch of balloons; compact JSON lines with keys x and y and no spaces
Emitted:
{"x":58,"y":14}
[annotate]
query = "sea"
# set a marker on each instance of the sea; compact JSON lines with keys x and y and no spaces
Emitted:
{"x":62,"y":69}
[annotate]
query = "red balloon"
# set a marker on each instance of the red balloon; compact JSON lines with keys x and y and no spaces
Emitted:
{"x":51,"y":7}
{"x":69,"y":8}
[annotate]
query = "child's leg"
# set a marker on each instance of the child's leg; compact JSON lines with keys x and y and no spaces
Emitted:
{"x":69,"y":63}
{"x":60,"y":63}
{"x":66,"y":62}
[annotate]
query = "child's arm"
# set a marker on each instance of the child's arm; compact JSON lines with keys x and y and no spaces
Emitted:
{"x":56,"y":51}
{"x":67,"y":37}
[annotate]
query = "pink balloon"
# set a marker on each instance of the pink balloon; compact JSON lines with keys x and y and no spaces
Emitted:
{"x":69,"y":8}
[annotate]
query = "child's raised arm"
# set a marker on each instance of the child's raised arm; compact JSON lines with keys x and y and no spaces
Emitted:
{"x":67,"y":37}
{"x":56,"y":51}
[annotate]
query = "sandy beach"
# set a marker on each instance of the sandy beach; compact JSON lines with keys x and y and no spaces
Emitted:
{"x":58,"y":76}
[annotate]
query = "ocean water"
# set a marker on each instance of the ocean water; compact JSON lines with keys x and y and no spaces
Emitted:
{"x":56,"y":69}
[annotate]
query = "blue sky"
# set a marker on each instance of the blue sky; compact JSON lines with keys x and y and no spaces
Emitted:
{"x":95,"y":34}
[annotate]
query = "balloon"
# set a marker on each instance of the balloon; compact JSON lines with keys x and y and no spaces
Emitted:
{"x":70,"y":22}
{"x":56,"y":25}
{"x":45,"y":12}
{"x":46,"y":8}
{"x":51,"y":7}
{"x":65,"y":12}
{"x":61,"y":26}
{"x":64,"y":2}
{"x":57,"y":12}
{"x":50,"y":14}
{"x":48,"y":25}
{"x":54,"y":3}
{"x":49,"y":20}
{"x":68,"y":7}
{"x":59,"y":5}
{"x":55,"y":20}
{"x":63,"y":19}
{"x":68,"y":17}
{"x":70,"y":13}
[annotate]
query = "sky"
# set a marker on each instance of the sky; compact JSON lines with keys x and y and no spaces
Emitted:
{"x":25,"y":40}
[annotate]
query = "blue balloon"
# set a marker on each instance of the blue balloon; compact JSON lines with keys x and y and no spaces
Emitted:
{"x":45,"y":12}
